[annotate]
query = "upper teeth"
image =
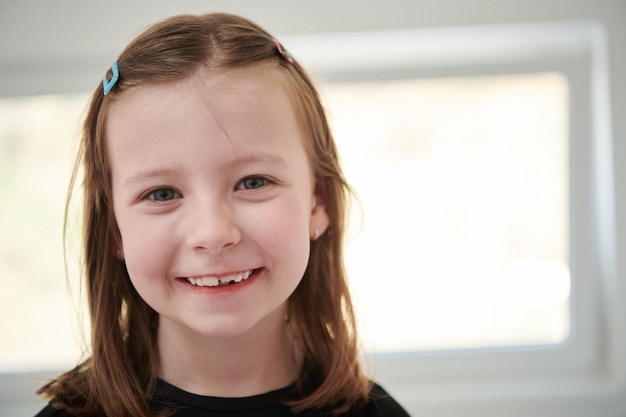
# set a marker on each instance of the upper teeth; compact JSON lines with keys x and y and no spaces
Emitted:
{"x":214,"y":281}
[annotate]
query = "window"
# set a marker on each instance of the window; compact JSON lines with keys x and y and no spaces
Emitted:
{"x":464,"y":190}
{"x":475,"y":213}
{"x":38,"y":137}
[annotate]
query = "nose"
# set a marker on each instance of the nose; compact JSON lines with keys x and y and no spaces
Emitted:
{"x":212,"y":227}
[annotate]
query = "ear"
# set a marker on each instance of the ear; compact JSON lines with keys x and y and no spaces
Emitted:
{"x":320,"y":220}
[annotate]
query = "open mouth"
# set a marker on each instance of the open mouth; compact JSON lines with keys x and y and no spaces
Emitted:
{"x":219,"y":281}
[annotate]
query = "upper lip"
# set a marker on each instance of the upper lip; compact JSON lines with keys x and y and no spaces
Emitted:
{"x":215,"y":280}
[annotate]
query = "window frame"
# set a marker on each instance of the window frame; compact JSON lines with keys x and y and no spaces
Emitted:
{"x":584,"y":375}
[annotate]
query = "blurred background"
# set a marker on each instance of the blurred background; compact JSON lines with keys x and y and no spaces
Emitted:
{"x":484,"y":142}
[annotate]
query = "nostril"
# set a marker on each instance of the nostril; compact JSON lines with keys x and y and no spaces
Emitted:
{"x":214,"y":240}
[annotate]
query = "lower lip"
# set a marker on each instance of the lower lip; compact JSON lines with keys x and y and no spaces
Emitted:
{"x":222,"y":289}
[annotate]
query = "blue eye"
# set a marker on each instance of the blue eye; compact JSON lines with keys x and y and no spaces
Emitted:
{"x":252,"y":183}
{"x":163,"y":194}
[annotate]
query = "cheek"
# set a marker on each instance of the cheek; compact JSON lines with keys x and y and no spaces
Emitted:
{"x":278,"y":222}
{"x":145,"y":250}
{"x":147,"y":263}
{"x":283,"y":232}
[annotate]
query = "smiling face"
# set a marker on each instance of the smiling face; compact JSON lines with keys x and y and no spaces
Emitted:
{"x":214,"y":198}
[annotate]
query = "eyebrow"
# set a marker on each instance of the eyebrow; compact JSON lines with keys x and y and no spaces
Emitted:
{"x":151,"y":174}
{"x":263,"y":158}
{"x":258,"y":158}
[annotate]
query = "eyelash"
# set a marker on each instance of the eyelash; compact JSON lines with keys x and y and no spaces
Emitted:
{"x":151,"y":195}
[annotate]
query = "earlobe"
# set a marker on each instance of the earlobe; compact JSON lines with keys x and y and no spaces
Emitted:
{"x":319,"y":222}
{"x":319,"y":216}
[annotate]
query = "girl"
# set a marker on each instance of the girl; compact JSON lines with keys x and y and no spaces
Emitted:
{"x":214,"y":212}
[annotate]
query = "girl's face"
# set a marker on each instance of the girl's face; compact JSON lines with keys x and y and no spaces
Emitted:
{"x":215,"y":200}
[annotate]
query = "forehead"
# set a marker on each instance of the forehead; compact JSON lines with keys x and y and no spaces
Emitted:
{"x":245,"y":111}
{"x":218,"y":90}
{"x":233,"y":98}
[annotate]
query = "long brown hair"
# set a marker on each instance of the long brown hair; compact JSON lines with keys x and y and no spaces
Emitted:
{"x":120,"y":376}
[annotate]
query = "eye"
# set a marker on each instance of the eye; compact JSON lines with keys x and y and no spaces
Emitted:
{"x":252,"y":183}
{"x":162,"y":194}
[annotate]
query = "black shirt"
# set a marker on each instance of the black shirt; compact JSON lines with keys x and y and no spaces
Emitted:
{"x":269,"y":404}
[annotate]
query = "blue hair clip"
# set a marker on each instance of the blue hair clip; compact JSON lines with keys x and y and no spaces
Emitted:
{"x":108,"y":84}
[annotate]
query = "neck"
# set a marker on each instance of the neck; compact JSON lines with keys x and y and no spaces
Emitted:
{"x":253,"y":363}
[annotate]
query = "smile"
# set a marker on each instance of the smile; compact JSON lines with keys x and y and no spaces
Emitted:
{"x":216,"y":281}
